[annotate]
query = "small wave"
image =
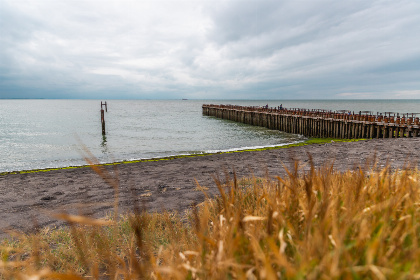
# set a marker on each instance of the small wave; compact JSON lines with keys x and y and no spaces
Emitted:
{"x":80,"y":163}
{"x":252,"y":147}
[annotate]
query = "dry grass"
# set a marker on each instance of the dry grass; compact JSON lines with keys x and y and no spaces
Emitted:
{"x":321,"y":225}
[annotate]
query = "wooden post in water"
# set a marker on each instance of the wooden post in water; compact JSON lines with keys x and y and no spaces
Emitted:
{"x":103,"y":116}
{"x":103,"y":122}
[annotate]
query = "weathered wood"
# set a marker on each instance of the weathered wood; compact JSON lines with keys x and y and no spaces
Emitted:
{"x":103,"y":121}
{"x":105,"y":105}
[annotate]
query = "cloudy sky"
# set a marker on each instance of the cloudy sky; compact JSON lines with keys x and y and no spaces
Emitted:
{"x":230,"y":49}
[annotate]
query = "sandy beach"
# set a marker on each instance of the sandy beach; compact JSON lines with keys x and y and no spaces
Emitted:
{"x":29,"y":200}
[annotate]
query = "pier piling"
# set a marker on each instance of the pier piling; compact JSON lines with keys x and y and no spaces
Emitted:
{"x":103,"y":116}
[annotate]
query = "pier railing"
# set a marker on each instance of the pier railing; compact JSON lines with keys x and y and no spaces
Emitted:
{"x":321,"y":123}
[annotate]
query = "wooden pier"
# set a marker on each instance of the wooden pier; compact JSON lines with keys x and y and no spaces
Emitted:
{"x":321,"y":123}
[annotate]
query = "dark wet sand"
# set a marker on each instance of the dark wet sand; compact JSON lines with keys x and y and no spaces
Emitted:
{"x":27,"y":200}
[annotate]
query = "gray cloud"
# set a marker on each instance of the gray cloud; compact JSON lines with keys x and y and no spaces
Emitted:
{"x":210,"y":49}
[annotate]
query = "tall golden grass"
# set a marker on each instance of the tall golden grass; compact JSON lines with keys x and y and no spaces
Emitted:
{"x":319,"y":225}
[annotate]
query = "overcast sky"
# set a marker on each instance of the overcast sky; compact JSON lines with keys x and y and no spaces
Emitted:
{"x":243,"y":49}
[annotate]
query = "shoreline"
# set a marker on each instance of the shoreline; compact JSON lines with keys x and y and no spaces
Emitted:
{"x":310,"y":141}
{"x":29,"y":199}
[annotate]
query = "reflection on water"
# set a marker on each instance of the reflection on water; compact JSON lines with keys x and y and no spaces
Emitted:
{"x":104,"y":146}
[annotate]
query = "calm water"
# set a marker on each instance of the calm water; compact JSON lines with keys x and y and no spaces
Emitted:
{"x":44,"y":133}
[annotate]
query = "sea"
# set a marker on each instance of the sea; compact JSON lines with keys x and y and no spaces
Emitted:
{"x":43,"y":133}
